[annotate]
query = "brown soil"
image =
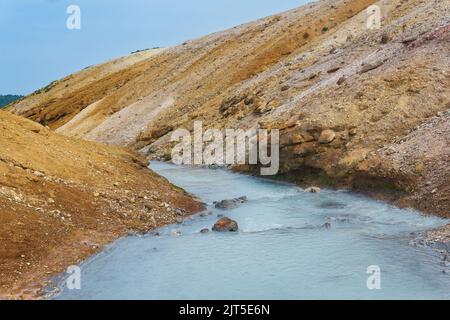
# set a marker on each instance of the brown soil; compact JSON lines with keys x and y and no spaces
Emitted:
{"x":62,"y":200}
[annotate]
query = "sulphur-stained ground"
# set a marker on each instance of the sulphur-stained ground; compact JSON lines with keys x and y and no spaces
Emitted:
{"x":62,"y":200}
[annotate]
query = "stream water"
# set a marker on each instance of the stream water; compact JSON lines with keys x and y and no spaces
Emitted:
{"x":280,"y":252}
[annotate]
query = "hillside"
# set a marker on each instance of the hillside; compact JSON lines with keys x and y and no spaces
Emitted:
{"x":384,"y":94}
{"x":7,"y":99}
{"x":61,"y":200}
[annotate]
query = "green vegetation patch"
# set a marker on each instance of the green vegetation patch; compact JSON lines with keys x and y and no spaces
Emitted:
{"x":7,"y":99}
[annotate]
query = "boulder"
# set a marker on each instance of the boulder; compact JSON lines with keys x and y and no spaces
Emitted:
{"x":333,"y":70}
{"x":326,"y":225}
{"x":39,"y":174}
{"x":327,"y":136}
{"x":385,"y":38}
{"x":225,"y":224}
{"x":332,"y":205}
{"x":230,"y":204}
{"x":313,"y":190}
{"x":352,"y":132}
{"x":249,"y":101}
{"x":179,"y":212}
{"x":371,"y":66}
{"x":341,"y":80}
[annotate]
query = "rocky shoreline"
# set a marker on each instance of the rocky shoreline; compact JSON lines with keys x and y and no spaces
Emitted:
{"x":43,"y":284}
{"x":437,"y":240}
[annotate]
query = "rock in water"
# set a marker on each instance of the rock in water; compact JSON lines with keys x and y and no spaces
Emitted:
{"x":175,"y":233}
{"x":230,"y":204}
{"x":204,"y":230}
{"x":326,"y":225}
{"x":226,"y":204}
{"x":313,"y":190}
{"x":332,"y":205}
{"x":225,"y":224}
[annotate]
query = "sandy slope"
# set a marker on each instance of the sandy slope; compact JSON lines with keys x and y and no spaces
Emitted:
{"x":62,"y":199}
{"x":304,"y":71}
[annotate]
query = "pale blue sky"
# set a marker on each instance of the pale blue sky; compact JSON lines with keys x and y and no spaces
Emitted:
{"x":37,"y":48}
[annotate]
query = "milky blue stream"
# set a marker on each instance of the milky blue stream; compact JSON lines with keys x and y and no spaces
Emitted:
{"x":280,"y":252}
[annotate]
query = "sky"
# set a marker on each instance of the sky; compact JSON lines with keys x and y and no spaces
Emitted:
{"x":36,"y":47}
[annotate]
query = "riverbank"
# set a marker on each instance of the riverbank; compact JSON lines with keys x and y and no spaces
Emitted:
{"x":431,"y":200}
{"x":62,"y":200}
